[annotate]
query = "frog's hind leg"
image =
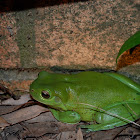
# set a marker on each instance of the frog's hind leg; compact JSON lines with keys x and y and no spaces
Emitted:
{"x":66,"y":116}
{"x":116,"y":115}
{"x":125,"y":80}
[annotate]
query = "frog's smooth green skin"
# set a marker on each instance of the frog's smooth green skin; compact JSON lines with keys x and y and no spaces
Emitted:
{"x":112,"y":92}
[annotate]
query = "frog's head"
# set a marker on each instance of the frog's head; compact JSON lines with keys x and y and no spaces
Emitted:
{"x":50,"y":90}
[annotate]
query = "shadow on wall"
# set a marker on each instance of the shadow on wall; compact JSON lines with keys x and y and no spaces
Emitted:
{"x":18,"y":5}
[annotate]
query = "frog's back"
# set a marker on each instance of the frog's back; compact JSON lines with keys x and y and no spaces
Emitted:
{"x":94,"y":87}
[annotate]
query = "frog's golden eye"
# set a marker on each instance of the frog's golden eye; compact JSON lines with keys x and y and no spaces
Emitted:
{"x":45,"y":94}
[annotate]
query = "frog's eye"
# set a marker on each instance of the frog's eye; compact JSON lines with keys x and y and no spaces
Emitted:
{"x":45,"y":94}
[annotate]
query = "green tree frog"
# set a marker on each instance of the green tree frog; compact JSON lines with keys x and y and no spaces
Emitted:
{"x":108,"y":100}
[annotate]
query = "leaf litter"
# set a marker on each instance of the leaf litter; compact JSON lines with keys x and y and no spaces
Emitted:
{"x":26,"y":119}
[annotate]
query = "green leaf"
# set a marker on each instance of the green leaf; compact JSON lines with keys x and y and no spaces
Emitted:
{"x":133,"y":41}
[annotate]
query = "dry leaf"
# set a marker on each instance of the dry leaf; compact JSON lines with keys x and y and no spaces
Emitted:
{"x":23,"y":99}
{"x":39,"y":129}
{"x":79,"y":135}
{"x":24,"y":114}
{"x":7,"y":109}
{"x":69,"y":135}
{"x":66,"y":127}
{"x":3,"y":123}
{"x":131,"y":130}
{"x":12,"y":132}
{"x":107,"y":134}
{"x":44,"y":117}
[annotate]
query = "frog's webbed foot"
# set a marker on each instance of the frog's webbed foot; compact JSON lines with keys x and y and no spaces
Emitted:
{"x":92,"y":127}
{"x":66,"y":116}
{"x":97,"y":127}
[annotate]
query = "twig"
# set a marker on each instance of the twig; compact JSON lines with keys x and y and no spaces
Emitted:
{"x":6,"y":90}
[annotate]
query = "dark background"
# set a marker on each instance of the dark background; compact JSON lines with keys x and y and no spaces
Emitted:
{"x":18,"y":5}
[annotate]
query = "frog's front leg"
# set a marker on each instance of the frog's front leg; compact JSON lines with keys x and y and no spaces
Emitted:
{"x":128,"y":111}
{"x":66,"y":116}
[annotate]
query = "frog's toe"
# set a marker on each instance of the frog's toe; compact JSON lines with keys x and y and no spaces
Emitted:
{"x":87,"y":128}
{"x":96,"y":127}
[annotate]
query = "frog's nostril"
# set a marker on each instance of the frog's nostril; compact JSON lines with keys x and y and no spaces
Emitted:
{"x":45,"y":94}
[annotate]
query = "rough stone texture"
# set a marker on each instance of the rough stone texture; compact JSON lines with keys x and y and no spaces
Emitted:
{"x":20,"y":80}
{"x":79,"y":35}
{"x":17,"y":80}
{"x":132,"y":71}
{"x":9,"y":51}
